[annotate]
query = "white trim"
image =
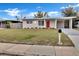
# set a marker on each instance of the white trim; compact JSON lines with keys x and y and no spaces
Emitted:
{"x":55,"y":23}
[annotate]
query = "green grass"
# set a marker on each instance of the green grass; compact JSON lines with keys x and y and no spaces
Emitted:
{"x":33,"y":36}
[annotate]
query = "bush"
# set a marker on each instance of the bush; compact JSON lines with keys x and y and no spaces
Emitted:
{"x":7,"y":25}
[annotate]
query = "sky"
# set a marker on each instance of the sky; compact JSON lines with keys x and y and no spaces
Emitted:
{"x":10,"y":10}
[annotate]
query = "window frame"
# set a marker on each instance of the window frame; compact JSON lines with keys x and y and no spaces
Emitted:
{"x":41,"y":22}
{"x":29,"y":22}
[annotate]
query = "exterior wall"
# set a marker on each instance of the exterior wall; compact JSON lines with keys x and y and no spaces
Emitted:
{"x":24,"y":24}
{"x":16,"y":25}
{"x":52,"y":23}
{"x":41,"y":26}
{"x":60,"y":24}
{"x":33,"y":25}
{"x":2,"y":25}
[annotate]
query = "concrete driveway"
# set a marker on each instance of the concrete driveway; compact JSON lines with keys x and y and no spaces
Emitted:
{"x":73,"y":35}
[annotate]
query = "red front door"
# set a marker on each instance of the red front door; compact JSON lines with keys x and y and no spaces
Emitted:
{"x":47,"y":23}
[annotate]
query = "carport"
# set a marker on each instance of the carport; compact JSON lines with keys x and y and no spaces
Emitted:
{"x":67,"y":22}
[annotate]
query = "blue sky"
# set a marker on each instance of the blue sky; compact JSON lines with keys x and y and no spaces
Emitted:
{"x":10,"y":10}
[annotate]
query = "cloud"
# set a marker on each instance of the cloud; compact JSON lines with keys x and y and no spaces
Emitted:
{"x":39,"y":8}
{"x":77,"y":5}
{"x":1,"y":10}
{"x":65,"y":7}
{"x":5,"y":18}
{"x":74,"y":6}
{"x":62,"y":7}
{"x":51,"y":14}
{"x":30,"y":15}
{"x":54,"y":14}
{"x":12,"y":12}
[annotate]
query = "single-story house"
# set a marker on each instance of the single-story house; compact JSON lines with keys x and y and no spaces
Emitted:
{"x":63,"y":22}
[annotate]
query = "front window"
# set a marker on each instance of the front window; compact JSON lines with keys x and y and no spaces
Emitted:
{"x":29,"y":22}
{"x":41,"y":23}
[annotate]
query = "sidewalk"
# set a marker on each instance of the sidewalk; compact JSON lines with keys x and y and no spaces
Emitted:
{"x":73,"y":35}
{"x":36,"y":50}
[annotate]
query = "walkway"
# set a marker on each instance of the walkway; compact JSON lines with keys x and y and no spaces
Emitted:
{"x":73,"y":35}
{"x":36,"y":50}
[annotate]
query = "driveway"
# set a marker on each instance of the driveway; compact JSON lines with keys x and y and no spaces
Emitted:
{"x":73,"y":35}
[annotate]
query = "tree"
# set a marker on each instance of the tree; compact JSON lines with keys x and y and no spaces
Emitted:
{"x":41,"y":14}
{"x":17,"y":18}
{"x":69,"y":12}
{"x":8,"y":24}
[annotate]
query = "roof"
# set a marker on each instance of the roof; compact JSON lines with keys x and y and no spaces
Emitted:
{"x":65,"y":18}
{"x":10,"y":20}
{"x":58,"y":18}
{"x":39,"y":19}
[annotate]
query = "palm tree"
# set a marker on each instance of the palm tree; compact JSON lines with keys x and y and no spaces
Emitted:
{"x":69,"y":12}
{"x":41,"y":14}
{"x":46,"y":14}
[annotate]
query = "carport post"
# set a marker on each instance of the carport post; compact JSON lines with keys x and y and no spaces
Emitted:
{"x":70,"y":23}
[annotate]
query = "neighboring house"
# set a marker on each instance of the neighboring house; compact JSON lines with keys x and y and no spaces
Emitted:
{"x":2,"y":24}
{"x":16,"y":24}
{"x":63,"y":22}
{"x":12,"y":24}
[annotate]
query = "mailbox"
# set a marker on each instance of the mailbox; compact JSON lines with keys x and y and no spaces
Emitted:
{"x":60,"y":31}
{"x":59,"y":37}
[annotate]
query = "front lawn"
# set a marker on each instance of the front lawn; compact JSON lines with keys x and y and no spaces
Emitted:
{"x":33,"y":36}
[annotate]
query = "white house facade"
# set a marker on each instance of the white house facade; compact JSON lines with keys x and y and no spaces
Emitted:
{"x":43,"y":23}
{"x":64,"y":22}
{"x":39,"y":23}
